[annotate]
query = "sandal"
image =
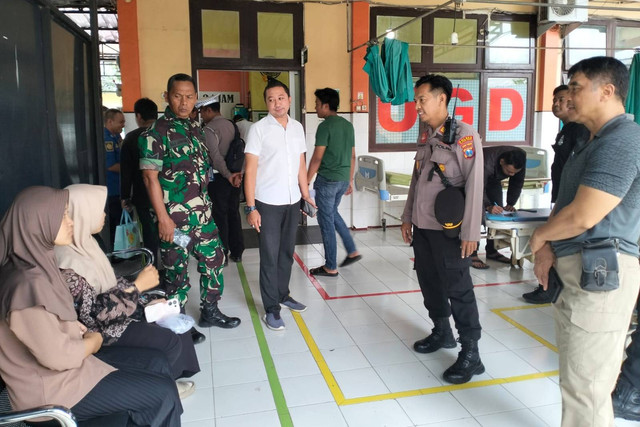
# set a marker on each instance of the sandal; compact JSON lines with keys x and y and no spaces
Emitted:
{"x":499,"y":257}
{"x":478,"y":264}
{"x":320,"y":271}
{"x":350,"y":260}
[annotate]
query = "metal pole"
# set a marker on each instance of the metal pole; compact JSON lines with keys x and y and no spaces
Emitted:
{"x":374,"y":40}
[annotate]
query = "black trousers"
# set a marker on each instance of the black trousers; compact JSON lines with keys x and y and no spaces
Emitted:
{"x":141,"y":386}
{"x":114,"y":210}
{"x":178,"y":349}
{"x":631,"y":365}
{"x":226,"y":204}
{"x":150,"y":234}
{"x":494,"y":194}
{"x":445,"y":281}
{"x":277,"y":242}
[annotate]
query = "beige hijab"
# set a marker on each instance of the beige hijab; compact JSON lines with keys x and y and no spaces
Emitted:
{"x":84,"y":256}
{"x":29,"y":275}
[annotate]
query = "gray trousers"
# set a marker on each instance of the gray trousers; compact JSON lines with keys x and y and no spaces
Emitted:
{"x":277,"y":242}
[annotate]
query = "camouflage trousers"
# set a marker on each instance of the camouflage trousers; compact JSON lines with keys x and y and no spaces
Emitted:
{"x":206,"y":248}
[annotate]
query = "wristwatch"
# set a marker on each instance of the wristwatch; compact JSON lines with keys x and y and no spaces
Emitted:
{"x":249,"y":209}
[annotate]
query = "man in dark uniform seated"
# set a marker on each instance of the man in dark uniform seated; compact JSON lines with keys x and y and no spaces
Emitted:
{"x":500,"y":163}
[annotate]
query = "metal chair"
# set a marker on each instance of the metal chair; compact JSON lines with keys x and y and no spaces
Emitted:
{"x":62,"y":415}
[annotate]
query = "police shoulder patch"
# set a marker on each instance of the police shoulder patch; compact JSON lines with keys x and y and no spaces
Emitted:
{"x":465,"y":140}
{"x":108,"y":146}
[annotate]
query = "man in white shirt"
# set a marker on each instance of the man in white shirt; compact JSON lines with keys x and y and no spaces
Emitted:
{"x":275,"y":179}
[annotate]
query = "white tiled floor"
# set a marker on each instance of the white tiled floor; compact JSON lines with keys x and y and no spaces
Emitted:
{"x":364,"y":344}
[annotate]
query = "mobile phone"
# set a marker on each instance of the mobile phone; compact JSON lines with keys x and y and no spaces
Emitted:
{"x":307,"y":208}
{"x":554,"y":284}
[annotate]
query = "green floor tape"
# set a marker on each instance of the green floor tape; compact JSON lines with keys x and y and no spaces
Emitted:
{"x":272,"y":375}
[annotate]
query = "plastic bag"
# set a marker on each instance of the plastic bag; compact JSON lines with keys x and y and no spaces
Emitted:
{"x":180,"y":323}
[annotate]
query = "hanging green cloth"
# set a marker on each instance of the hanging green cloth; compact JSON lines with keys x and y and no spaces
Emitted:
{"x":632,"y":106}
{"x":390,"y":75}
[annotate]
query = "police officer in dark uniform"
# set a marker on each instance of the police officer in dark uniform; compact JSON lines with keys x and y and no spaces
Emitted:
{"x":447,"y":155}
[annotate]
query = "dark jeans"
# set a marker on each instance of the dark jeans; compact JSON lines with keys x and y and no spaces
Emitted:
{"x":494,"y":193}
{"x":328,"y":196}
{"x":277,"y":242}
{"x":226,"y":214}
{"x":445,"y":281}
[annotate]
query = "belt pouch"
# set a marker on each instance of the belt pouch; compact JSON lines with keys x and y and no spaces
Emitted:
{"x":600,"y":266}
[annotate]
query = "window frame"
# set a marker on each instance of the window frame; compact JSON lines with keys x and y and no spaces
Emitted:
{"x":248,"y":27}
{"x":482,"y":66}
{"x":610,"y":25}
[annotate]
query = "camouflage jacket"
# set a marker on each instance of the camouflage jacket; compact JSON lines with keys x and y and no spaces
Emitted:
{"x":176,"y":149}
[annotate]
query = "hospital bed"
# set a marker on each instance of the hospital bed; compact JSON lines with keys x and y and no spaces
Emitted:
{"x":389,"y":187}
{"x":393,"y":187}
{"x":514,"y":229}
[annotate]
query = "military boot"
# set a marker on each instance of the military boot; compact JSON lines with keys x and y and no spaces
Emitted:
{"x":210,"y":315}
{"x":441,"y":337}
{"x":467,"y":365}
{"x":626,"y":400}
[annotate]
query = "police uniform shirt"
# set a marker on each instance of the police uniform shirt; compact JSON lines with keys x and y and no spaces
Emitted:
{"x":219,"y":133}
{"x":461,"y":163}
{"x":112,"y":145}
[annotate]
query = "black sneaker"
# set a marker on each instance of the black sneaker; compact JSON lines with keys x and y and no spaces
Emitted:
{"x":539,"y":296}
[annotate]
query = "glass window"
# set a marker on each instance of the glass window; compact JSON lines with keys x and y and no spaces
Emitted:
{"x":220,"y":34}
{"x":506,"y":109}
{"x":412,"y":33}
{"x":512,"y":34}
{"x":627,"y":38}
{"x":466,"y":90}
{"x":275,"y":35}
{"x":467,"y":30}
{"x":590,"y":40}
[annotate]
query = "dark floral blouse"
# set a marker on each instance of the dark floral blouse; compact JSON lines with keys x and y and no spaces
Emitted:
{"x":109,"y":312}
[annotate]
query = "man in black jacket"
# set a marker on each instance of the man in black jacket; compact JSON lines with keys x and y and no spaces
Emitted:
{"x":500,"y":163}
{"x":133,"y":193}
{"x":572,"y":134}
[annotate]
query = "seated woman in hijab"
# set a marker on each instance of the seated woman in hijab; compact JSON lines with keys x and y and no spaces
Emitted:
{"x":112,"y":306}
{"x":46,"y":354}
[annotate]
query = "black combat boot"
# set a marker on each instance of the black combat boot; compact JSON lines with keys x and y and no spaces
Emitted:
{"x":626,"y":400}
{"x":467,"y":365}
{"x":210,"y":315}
{"x":441,"y":337}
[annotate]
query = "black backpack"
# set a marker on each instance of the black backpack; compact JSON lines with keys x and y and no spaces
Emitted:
{"x":235,"y":156}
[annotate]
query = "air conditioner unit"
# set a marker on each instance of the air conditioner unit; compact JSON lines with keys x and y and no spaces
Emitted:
{"x":565,"y":13}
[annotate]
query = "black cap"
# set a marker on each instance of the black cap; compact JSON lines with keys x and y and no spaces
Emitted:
{"x":449,"y":210}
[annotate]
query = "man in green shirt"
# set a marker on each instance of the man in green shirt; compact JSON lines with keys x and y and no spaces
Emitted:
{"x":334,"y":159}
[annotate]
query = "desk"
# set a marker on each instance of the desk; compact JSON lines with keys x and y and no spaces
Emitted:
{"x":513,"y":230}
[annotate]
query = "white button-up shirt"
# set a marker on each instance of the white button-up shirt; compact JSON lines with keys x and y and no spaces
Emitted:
{"x":278,"y":150}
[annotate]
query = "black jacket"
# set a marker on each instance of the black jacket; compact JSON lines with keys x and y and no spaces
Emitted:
{"x":570,"y":135}
{"x":493,"y":176}
{"x":131,"y":183}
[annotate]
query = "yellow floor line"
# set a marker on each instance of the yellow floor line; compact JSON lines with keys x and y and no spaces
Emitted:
{"x":499,"y":312}
{"x":341,"y":400}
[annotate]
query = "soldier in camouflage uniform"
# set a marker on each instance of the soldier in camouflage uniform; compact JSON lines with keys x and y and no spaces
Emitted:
{"x":174,"y":163}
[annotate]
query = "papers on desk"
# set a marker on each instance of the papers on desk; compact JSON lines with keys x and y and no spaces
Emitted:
{"x":521,"y":215}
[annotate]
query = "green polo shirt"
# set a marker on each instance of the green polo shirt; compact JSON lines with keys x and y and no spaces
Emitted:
{"x":335,"y":133}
